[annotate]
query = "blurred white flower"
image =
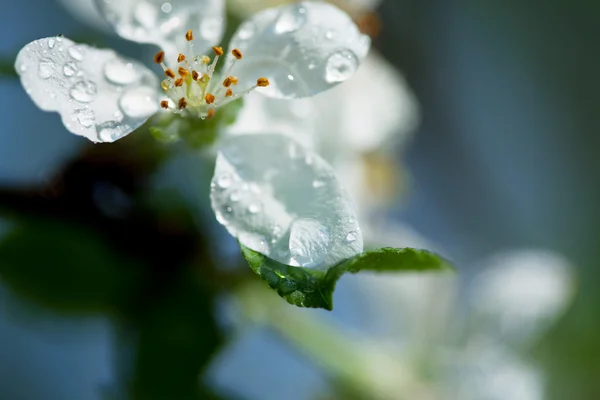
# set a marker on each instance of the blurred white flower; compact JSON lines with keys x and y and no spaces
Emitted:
{"x":103,"y":96}
{"x":475,"y":349}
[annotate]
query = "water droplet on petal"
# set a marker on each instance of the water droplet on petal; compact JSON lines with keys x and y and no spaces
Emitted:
{"x":224,"y":181}
{"x":234,"y":196}
{"x":46,"y":68}
{"x":83,"y":91}
{"x":309,"y":242}
{"x":351,"y":237}
{"x":138,"y":102}
{"x":351,"y":220}
{"x":85,"y":116}
{"x":166,"y":8}
{"x":69,"y":68}
{"x":76,"y":52}
{"x":111,"y":131}
{"x":340,"y":66}
{"x":51,"y":43}
{"x":118,"y":115}
{"x":120,"y":72}
{"x":329,"y":35}
{"x":291,"y":19}
{"x":317,"y":183}
{"x":254,"y":208}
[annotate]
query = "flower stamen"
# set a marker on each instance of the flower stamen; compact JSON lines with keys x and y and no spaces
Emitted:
{"x":193,"y":78}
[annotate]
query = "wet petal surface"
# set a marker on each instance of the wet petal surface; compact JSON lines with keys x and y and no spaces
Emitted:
{"x":302,"y":48}
{"x":165,"y":23}
{"x":281,"y":200}
{"x":99,"y":94}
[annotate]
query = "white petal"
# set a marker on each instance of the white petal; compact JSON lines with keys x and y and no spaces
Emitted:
{"x":522,"y":292}
{"x":99,"y":94}
{"x":353,"y":7}
{"x":303,"y":49}
{"x":284,"y":201}
{"x":165,"y":23}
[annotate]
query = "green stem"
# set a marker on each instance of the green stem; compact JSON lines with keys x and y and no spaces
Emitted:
{"x":369,"y":371}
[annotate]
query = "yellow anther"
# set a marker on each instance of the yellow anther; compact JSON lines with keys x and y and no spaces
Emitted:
{"x":237,"y":53}
{"x":229,"y":81}
{"x":159,"y":57}
{"x":179,"y":82}
{"x":183,"y":72}
{"x":164,"y":104}
{"x":180,"y":57}
{"x":211,"y":113}
{"x":189,"y":36}
{"x":229,"y":93}
{"x":262,"y":82}
{"x":169,"y":72}
{"x":195,"y":75}
{"x":235,"y":80}
{"x":205,"y":60}
{"x":209,"y":98}
{"x":165,"y":85}
{"x":218,"y":50}
{"x":182,"y":103}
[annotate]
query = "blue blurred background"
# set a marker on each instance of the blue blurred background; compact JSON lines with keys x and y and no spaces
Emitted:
{"x":505,"y":157}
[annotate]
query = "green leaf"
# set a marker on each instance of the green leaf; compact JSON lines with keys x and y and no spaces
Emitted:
{"x":306,"y":287}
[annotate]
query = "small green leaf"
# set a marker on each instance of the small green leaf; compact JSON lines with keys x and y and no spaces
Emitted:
{"x":306,"y":287}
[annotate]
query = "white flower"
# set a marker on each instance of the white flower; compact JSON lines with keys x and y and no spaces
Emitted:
{"x":358,"y":135}
{"x":476,"y":348}
{"x":291,"y":51}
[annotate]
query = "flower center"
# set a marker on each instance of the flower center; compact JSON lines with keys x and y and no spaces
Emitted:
{"x":194,"y":88}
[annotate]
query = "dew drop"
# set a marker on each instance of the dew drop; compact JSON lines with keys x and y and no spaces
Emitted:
{"x":291,"y":19}
{"x":83,"y":91}
{"x":111,"y":131}
{"x":69,"y":69}
{"x":76,"y":53}
{"x":85,"y":116}
{"x":317,"y":183}
{"x":120,"y":73}
{"x":234,"y":196}
{"x":340,"y":66}
{"x":166,"y":8}
{"x":51,"y":43}
{"x":224,"y":181}
{"x":309,"y":242}
{"x":291,"y":77}
{"x":46,"y":68}
{"x":351,"y":237}
{"x":329,"y":35}
{"x":118,"y":115}
{"x":351,"y":220}
{"x":22,"y":67}
{"x":254,"y":208}
{"x":138,"y":102}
